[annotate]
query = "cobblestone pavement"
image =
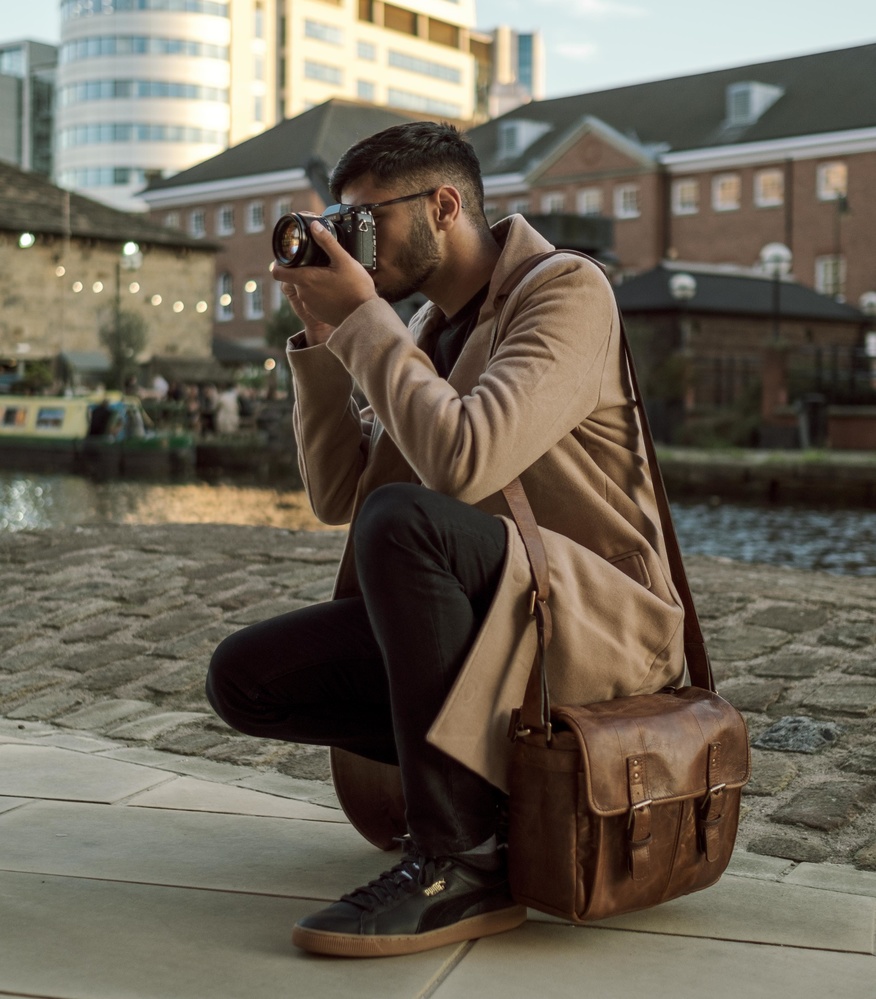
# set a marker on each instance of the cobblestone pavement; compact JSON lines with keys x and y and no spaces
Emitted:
{"x":108,"y":630}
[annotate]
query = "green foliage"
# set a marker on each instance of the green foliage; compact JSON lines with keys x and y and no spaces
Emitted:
{"x":281,"y":325}
{"x":37,"y":377}
{"x":124,"y":334}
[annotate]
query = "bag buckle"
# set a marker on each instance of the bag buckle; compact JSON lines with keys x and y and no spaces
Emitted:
{"x":638,"y":807}
{"x":713,"y":792}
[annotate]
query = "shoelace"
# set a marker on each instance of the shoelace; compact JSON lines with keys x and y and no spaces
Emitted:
{"x":411,"y":871}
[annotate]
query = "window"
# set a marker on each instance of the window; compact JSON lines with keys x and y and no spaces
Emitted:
{"x":259,"y":21}
{"x":198,"y":223}
{"x":224,"y":299}
{"x":418,"y":102}
{"x":284,"y":206}
{"x":589,"y":201}
{"x":255,"y":216}
{"x":769,"y":188}
{"x":258,"y":66}
{"x":49,"y":418}
{"x":367,"y":51}
{"x":726,"y":192}
{"x":833,"y":181}
{"x":830,"y":275}
{"x":258,"y":108}
{"x":401,"y":60}
{"x":225,"y":220}
{"x":685,"y":196}
{"x":171,"y":220}
{"x":320,"y":71}
{"x":254,"y":303}
{"x":324,"y":32}
{"x":365,"y":90}
{"x":554,"y":203}
{"x":518,"y":206}
{"x":626,"y":202}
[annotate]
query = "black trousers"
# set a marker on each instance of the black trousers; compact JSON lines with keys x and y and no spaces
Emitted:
{"x":370,"y":673}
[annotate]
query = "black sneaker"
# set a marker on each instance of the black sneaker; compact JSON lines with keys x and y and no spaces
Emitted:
{"x":420,"y":904}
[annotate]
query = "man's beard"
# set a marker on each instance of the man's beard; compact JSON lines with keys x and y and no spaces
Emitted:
{"x":417,"y":260}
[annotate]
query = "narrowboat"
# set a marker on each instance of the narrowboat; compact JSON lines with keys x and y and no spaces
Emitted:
{"x":106,"y":434}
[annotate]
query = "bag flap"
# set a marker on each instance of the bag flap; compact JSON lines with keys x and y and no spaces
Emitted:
{"x":671,"y":732}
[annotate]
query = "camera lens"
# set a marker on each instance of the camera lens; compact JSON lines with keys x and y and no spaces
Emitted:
{"x":290,"y":237}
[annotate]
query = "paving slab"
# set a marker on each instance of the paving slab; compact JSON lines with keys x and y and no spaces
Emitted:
{"x":835,"y":878}
{"x":77,"y":938}
{"x":271,"y":856}
{"x":47,"y":772}
{"x":7,"y":803}
{"x":190,"y":794}
{"x":556,"y":962}
{"x":763,"y":912}
{"x":193,"y":766}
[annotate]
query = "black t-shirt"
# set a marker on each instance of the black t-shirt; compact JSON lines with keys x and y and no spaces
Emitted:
{"x":456,"y":331}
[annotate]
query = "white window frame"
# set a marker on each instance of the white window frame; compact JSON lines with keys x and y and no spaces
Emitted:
{"x":830,"y":274}
{"x":589,"y":201}
{"x":720,"y":200}
{"x":255,"y":216}
{"x":224,"y":286}
{"x":254,"y":301}
{"x":366,"y":90}
{"x":198,"y":223}
{"x":763,"y":199}
{"x":685,"y":196}
{"x":553,"y":203}
{"x":832,"y":180}
{"x":283,"y":206}
{"x":518,"y":206}
{"x":627,"y":201}
{"x":171,"y":220}
{"x":225,"y":220}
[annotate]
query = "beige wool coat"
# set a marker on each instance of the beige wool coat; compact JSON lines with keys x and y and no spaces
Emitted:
{"x":540,"y":391}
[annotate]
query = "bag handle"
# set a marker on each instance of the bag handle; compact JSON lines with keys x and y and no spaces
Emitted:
{"x":695,"y":651}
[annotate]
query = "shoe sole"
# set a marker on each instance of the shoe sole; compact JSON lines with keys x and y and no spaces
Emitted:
{"x":356,"y":945}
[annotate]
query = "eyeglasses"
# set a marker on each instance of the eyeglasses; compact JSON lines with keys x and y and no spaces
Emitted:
{"x":341,"y":209}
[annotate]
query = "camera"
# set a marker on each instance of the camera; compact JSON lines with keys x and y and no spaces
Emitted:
{"x":353,"y":228}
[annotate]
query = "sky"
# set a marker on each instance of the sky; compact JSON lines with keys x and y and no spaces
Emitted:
{"x":598,"y":44}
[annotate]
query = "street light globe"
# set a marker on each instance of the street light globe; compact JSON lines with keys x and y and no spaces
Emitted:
{"x":26,"y":239}
{"x":683,"y":287}
{"x":776,"y":259}
{"x":130,"y":248}
{"x":867,"y":301}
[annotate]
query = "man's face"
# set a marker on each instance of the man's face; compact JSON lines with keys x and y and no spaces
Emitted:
{"x":407,"y":251}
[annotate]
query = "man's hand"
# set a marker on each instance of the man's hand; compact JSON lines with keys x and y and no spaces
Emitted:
{"x":323,"y":297}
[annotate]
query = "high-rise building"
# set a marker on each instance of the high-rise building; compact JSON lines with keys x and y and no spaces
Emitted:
{"x":154,"y":86}
{"x":27,"y":84}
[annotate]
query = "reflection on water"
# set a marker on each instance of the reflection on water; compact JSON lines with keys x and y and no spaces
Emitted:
{"x":42,"y":501}
{"x":841,"y":541}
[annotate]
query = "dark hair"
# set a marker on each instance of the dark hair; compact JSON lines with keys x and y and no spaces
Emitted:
{"x":417,"y":154}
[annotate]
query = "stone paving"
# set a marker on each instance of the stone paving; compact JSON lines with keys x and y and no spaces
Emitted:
{"x":107,"y":631}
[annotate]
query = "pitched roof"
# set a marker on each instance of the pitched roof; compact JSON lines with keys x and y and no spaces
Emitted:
{"x":730,"y":294}
{"x":820,"y":93}
{"x":31,"y":203}
{"x":324,"y":131}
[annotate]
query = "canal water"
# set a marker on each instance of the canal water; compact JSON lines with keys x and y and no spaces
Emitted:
{"x":841,"y":541}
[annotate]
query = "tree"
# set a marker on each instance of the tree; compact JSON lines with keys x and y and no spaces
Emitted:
{"x":281,"y":325}
{"x":124,"y":335}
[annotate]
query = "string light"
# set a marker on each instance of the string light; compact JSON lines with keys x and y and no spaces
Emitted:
{"x":178,"y":306}
{"x":97,"y":287}
{"x":133,"y":287}
{"x":156,"y":299}
{"x":60,"y":270}
{"x":250,"y":286}
{"x":201,"y":306}
{"x":77,"y":286}
{"x":26,"y":239}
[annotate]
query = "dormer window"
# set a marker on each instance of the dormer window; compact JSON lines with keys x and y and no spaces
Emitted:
{"x":747,"y":102}
{"x":516,"y":136}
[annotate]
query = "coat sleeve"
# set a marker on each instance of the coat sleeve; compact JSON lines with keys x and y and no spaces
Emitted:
{"x":331,"y":432}
{"x":542,"y":380}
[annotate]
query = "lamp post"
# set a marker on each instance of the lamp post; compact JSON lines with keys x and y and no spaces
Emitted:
{"x":775,"y":258}
{"x":683,"y":287}
{"x":129,"y":259}
{"x":868,"y":307}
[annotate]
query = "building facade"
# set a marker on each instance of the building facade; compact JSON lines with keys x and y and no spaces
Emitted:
{"x":148,"y":88}
{"x":710,"y":168}
{"x":27,"y":91}
{"x":70,"y":265}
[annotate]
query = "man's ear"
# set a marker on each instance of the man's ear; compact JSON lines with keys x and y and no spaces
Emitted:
{"x":449,"y":206}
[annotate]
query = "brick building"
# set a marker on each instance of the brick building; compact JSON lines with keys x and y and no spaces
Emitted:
{"x":63,"y":274}
{"x":235,"y":198}
{"x":709,"y":168}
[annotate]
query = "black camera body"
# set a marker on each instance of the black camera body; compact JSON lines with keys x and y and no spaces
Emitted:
{"x":353,"y":228}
